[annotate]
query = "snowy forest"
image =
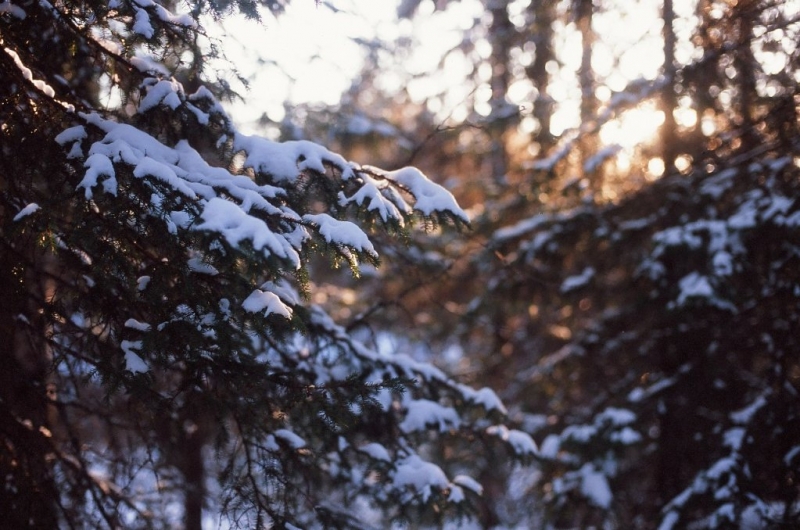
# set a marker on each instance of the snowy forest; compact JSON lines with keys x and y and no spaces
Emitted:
{"x":537,"y":265}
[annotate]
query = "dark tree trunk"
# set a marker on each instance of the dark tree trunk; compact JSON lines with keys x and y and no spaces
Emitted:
{"x":669,"y":135}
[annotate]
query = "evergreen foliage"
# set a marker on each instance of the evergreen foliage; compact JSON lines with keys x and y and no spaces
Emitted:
{"x":162,"y":353}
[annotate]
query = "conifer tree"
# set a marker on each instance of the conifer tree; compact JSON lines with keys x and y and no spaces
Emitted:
{"x":162,"y":356}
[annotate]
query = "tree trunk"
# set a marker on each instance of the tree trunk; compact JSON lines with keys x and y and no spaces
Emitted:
{"x":500,"y":32}
{"x":194,"y":475}
{"x":584,"y":14}
{"x":669,"y":132}
{"x":542,"y":38}
{"x":30,"y":495}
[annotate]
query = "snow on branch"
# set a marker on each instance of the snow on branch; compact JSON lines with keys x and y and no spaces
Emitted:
{"x":284,"y":161}
{"x":424,"y":413}
{"x":229,"y":220}
{"x":341,"y":233}
{"x":430,"y":198}
{"x":13,"y":10}
{"x":371,"y":196}
{"x":28,"y":74}
{"x":417,"y":478}
{"x":26,"y":211}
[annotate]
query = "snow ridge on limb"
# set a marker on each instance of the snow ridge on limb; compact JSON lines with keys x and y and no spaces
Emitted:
{"x":430,"y":199}
{"x":283,"y":167}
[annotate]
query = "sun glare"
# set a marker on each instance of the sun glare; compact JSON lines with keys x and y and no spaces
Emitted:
{"x":634,"y":127}
{"x":310,"y":54}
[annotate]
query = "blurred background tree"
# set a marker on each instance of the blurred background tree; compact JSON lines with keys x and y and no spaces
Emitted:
{"x":630,"y":281}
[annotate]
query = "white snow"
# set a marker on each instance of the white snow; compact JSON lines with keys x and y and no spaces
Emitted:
{"x":626,"y":436}
{"x":456,"y":494}
{"x":133,"y":362}
{"x":180,"y":218}
{"x":423,"y":413}
{"x":638,"y":394}
{"x":150,"y":167}
{"x":26,"y":211}
{"x":126,"y":143}
{"x":142,"y":282}
{"x":539,"y":240}
{"x":411,"y":368}
{"x":579,"y":433}
{"x":70,"y":135}
{"x":601,"y":156}
{"x":164,"y":15}
{"x":283,"y":290}
{"x":376,"y":451}
{"x":370,"y":194}
{"x":267,"y":302}
{"x":616,"y":416}
{"x":778,"y":206}
{"x":521,"y":443}
{"x":594,"y":486}
{"x":743,"y":416}
{"x":112,"y":46}
{"x":549,"y":163}
{"x":468,"y":483}
{"x":694,"y":285}
{"x":725,"y":513}
{"x":733,"y":438}
{"x":722,"y":263}
{"x":521,"y":228}
{"x":342,"y":233}
{"x":679,"y":235}
{"x":285,"y":161}
{"x":551,"y":445}
{"x":142,"y":24}
{"x":205,"y":179}
{"x":485,"y":397}
{"x":720,"y":467}
{"x":227,"y":219}
{"x":430,"y":197}
{"x":634,"y":225}
{"x":98,"y":165}
{"x":669,"y":521}
{"x":745,"y":217}
{"x":147,"y":64}
{"x":164,"y":91}
{"x":28,"y":74}
{"x":791,"y":455}
{"x":270,"y":444}
{"x":197,"y":265}
{"x":576,"y":282}
{"x":419,"y":476}
{"x":716,"y":185}
{"x":132,"y":323}
{"x":13,"y":10}
{"x":294,"y":441}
